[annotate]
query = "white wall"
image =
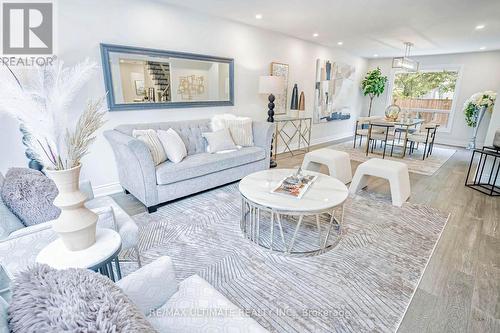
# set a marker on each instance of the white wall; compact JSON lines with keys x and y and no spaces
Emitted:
{"x":83,"y":24}
{"x":480,"y":71}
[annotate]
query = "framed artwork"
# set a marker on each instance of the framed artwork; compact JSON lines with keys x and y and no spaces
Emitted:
{"x":279,"y":69}
{"x":333,"y":91}
{"x":139,"y":87}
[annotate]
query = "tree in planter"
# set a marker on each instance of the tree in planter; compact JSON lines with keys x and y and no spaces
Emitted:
{"x":373,"y":85}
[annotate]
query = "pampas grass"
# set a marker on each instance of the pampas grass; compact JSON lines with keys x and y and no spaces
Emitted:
{"x":59,"y":135}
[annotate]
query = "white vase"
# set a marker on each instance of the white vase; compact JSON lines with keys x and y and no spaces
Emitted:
{"x":76,"y":226}
{"x":479,"y":117}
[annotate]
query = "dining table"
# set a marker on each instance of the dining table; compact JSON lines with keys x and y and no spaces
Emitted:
{"x":405,"y":125}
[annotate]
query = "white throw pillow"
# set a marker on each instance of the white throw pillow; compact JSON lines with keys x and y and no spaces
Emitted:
{"x":241,"y":128}
{"x":150,"y":138}
{"x":173,"y":145}
{"x":219,"y":140}
{"x":241,"y":131}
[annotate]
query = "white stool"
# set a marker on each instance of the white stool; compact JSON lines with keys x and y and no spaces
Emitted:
{"x":395,"y":172}
{"x":338,"y":163}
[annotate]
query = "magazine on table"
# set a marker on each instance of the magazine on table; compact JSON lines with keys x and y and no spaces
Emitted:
{"x":294,"y":185}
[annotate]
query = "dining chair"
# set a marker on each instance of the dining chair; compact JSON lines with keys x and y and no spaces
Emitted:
{"x":361,"y":129}
{"x":381,"y":132}
{"x":425,"y":135}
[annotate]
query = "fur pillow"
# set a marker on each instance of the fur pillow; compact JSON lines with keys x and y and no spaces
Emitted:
{"x":29,"y":194}
{"x":72,"y":300}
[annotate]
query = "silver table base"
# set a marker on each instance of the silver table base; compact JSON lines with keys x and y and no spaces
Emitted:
{"x":253,"y":215}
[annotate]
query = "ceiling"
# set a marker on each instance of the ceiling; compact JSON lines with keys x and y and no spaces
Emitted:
{"x":370,"y":27}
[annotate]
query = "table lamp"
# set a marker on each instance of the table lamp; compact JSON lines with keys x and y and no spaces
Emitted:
{"x":272,"y":85}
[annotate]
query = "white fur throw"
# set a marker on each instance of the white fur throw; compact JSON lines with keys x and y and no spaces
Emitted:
{"x":72,"y":300}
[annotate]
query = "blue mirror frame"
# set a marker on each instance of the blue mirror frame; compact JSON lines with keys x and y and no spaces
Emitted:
{"x":108,"y":81}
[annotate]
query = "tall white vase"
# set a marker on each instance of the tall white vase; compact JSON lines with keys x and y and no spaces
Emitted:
{"x":479,"y":117}
{"x":76,"y":226}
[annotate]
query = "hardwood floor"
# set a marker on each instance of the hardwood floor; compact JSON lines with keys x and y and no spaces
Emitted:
{"x":460,"y":289}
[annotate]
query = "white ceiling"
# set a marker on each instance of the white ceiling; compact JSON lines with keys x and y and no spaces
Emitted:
{"x":369,"y":27}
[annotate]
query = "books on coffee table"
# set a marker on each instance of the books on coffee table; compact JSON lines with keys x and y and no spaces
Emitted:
{"x":294,"y":186}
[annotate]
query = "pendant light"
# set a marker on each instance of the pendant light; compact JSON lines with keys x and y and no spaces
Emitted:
{"x":405,"y":62}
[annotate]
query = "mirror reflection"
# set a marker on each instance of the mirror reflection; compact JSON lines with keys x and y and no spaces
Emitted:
{"x":139,"y":79}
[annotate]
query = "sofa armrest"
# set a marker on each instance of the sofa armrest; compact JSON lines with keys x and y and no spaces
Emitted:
{"x":31,"y":229}
{"x":151,"y":286}
{"x":136,"y":168}
{"x":263,"y":133}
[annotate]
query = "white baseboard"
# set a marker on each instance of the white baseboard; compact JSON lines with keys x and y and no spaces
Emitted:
{"x":107,"y":189}
{"x":112,"y":188}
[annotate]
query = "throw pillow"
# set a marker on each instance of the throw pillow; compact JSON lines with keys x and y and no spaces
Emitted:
{"x":219,"y":140}
{"x":8,"y":221}
{"x":241,"y":131}
{"x":150,"y":138}
{"x":72,"y":300}
{"x":173,"y":145}
{"x":29,"y":194}
{"x":241,"y":128}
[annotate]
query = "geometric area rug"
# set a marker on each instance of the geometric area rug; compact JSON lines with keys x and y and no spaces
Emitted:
{"x":415,"y":164}
{"x":364,"y":284}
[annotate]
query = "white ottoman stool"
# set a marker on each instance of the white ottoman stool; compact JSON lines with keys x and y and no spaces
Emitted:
{"x":338,"y":163}
{"x":395,"y":172}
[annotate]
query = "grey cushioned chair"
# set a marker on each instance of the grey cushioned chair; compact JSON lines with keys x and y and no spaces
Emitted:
{"x":199,"y":171}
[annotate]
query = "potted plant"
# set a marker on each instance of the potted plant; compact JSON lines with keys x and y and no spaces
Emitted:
{"x":58,"y":137}
{"x":474,"y":109}
{"x":373,"y":85}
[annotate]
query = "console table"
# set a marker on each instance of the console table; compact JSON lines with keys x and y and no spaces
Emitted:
{"x":289,"y":128}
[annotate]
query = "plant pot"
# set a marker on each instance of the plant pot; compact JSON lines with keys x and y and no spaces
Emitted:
{"x":76,"y":226}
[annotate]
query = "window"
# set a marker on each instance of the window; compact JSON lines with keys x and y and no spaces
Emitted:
{"x":427,"y":94}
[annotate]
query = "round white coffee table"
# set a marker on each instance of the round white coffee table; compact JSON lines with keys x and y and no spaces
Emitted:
{"x":99,"y":257}
{"x":324,"y":196}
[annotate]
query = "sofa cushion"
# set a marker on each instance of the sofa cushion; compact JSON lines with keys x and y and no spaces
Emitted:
{"x":198,"y":307}
{"x":189,"y":131}
{"x":205,"y":163}
{"x":8,"y":221}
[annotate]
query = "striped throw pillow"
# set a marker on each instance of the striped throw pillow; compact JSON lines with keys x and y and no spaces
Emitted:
{"x":150,"y":138}
{"x":241,"y":131}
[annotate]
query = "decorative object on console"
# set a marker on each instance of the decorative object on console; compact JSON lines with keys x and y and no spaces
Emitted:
{"x":302,"y":101}
{"x":33,"y":163}
{"x":496,"y":139}
{"x":44,"y":104}
{"x":475,"y":108}
{"x":373,"y":85}
{"x":279,"y":69}
{"x":271,"y":85}
{"x":29,"y":194}
{"x":333,"y":91}
{"x":392,"y":112}
{"x":294,"y":104}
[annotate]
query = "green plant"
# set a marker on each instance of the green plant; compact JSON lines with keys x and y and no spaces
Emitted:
{"x":373,"y":85}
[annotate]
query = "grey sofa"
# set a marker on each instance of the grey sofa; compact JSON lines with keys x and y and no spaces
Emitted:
{"x":199,"y":171}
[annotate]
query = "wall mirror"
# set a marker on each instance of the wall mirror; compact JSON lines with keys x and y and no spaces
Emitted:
{"x":139,"y":78}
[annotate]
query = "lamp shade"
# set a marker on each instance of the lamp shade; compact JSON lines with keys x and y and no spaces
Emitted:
{"x":271,"y":85}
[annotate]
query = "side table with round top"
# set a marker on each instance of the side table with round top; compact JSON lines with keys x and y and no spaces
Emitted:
{"x":99,"y":257}
{"x":324,"y":196}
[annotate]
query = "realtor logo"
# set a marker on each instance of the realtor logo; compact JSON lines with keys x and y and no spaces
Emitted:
{"x":27,"y":28}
